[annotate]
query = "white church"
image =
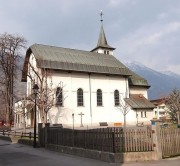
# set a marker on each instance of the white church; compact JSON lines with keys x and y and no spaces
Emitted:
{"x":95,"y":88}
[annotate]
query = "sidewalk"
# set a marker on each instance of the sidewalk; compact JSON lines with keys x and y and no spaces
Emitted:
{"x":20,"y":155}
{"x":165,"y":162}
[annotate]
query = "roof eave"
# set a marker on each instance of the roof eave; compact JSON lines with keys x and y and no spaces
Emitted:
{"x":145,"y":86}
{"x":25,"y":66}
{"x":104,"y":47}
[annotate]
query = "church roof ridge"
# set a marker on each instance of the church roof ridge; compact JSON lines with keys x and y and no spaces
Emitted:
{"x":66,"y":59}
{"x":53,"y":46}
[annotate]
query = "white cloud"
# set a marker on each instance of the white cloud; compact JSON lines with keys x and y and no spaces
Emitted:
{"x":162,"y":15}
{"x":141,"y":30}
{"x":151,"y":45}
{"x":117,"y":3}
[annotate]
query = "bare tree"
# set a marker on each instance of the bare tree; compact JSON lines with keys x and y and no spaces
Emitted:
{"x":10,"y":48}
{"x":173,"y":103}
{"x":124,"y":108}
{"x":46,"y":94}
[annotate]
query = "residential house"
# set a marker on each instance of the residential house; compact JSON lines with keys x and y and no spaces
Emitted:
{"x":161,"y":110}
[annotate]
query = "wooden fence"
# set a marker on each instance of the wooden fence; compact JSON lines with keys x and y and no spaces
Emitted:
{"x":170,"y":142}
{"x":104,"y":139}
{"x":139,"y":140}
{"x":26,"y":135}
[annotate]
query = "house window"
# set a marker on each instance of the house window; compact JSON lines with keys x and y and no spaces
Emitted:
{"x":80,"y":101}
{"x":143,"y":114}
{"x":59,"y":96}
{"x":116,"y":98}
{"x":99,"y":97}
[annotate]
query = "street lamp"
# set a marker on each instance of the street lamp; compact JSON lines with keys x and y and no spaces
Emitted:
{"x":73,"y":120}
{"x":23,"y":113}
{"x":35,"y":91}
{"x":73,"y":130}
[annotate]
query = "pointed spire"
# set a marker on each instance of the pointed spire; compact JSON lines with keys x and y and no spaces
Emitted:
{"x":102,"y":41}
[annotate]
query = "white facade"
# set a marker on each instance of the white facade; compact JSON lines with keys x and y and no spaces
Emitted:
{"x":161,"y":112}
{"x":92,"y":114}
{"x":97,"y":76}
{"x":104,"y":51}
{"x":139,"y":90}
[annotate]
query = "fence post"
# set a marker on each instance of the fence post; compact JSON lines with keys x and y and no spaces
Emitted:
{"x":113,"y":142}
{"x":47,"y":125}
{"x":39,"y":133}
{"x":156,"y":138}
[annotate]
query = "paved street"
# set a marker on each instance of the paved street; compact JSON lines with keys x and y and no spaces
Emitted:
{"x":22,"y":155}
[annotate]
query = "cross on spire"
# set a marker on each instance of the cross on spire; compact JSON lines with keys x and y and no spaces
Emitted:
{"x":101,"y":15}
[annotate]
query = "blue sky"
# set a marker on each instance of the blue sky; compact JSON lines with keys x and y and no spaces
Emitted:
{"x":145,"y":31}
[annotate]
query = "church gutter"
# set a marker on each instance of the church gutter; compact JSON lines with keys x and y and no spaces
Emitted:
{"x":90,"y":97}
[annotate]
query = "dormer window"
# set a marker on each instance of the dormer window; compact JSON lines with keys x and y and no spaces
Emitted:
{"x":106,"y":52}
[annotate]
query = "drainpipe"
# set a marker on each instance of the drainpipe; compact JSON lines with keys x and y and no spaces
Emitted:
{"x":90,"y":97}
{"x":127,"y":94}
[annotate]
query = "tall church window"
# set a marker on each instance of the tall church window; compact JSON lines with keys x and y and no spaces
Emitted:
{"x":143,"y":114}
{"x":116,"y":98}
{"x":59,"y":96}
{"x":99,"y":97}
{"x":80,"y":101}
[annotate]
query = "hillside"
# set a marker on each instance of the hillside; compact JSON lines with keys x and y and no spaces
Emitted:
{"x":161,"y":82}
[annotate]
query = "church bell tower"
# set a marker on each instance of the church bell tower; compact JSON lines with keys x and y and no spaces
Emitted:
{"x":102,"y":46}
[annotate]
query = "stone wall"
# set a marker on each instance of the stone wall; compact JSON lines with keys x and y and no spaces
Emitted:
{"x":105,"y":156}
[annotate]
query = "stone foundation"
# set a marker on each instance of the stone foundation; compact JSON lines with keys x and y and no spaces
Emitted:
{"x":105,"y":156}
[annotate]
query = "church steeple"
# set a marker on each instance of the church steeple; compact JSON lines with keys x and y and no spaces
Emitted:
{"x":102,"y":45}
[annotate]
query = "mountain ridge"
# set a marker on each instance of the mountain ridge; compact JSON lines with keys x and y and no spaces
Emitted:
{"x":161,"y":82}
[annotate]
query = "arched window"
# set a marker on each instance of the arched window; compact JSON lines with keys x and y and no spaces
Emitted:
{"x":116,"y":98}
{"x":99,"y":97}
{"x":59,"y":96}
{"x":80,"y":101}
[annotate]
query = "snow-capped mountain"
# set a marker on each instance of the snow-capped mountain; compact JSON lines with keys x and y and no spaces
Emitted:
{"x":161,"y":83}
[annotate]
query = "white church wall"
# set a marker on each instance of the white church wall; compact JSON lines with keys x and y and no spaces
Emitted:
{"x":93,"y":114}
{"x":103,"y":51}
{"x":145,"y":119}
{"x":139,"y":90}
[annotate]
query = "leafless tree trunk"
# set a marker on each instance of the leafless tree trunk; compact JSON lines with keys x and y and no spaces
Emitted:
{"x":10,"y":48}
{"x":124,"y":108}
{"x":173,"y":103}
{"x":46,"y":94}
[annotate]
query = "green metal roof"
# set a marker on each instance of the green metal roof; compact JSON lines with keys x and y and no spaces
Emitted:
{"x":137,"y":101}
{"x":136,"y":80}
{"x":77,"y":60}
